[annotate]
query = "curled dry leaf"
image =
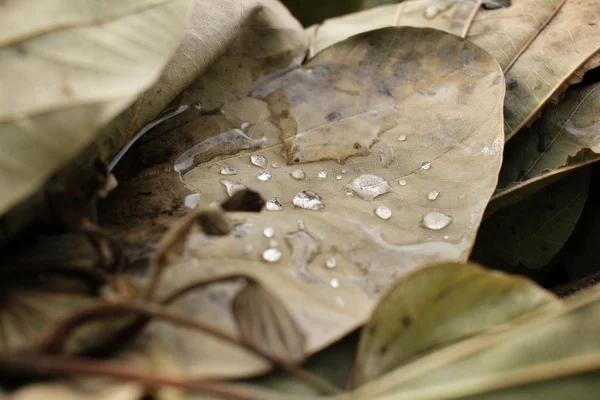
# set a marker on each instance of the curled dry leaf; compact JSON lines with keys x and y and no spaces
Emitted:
{"x":451,"y":16}
{"x":368,"y":104}
{"x":566,"y":44}
{"x":438,"y":306}
{"x":530,"y":233}
{"x":68,"y":74}
{"x":554,"y":355}
{"x":266,"y":325}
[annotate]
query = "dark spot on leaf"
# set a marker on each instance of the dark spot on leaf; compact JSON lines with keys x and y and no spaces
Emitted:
{"x":332,"y":116}
{"x":213,"y":223}
{"x":383,"y":349}
{"x":244,"y":200}
{"x":357,"y":146}
{"x":512,"y":84}
{"x":406,"y":321}
{"x":544,"y":247}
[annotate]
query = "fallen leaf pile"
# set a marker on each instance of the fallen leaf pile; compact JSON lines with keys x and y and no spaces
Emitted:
{"x":204,"y":200}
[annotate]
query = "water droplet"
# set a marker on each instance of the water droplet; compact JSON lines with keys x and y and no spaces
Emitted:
{"x":272,"y":255}
{"x":339,"y":177}
{"x":331,"y":262}
{"x":264,"y":175}
{"x":349,"y":193}
{"x":301,"y":225}
{"x":426,"y":165}
{"x":197,"y":106}
{"x":259,"y":161}
{"x":275,"y":165}
{"x":322,"y":174}
{"x":368,"y":186}
{"x":344,"y":171}
{"x":231,"y":186}
{"x":298,"y":175}
{"x":269,"y":232}
{"x":309,"y":201}
{"x":192,"y":200}
{"x":274,"y":204}
{"x":436,"y":220}
{"x":402,"y":138}
{"x":446,"y":237}
{"x":383,"y":212}
{"x":433,"y":195}
{"x":334,"y":283}
{"x":402,"y":182}
{"x":228,"y":171}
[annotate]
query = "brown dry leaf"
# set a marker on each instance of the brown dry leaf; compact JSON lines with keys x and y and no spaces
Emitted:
{"x":530,"y":233}
{"x":438,"y":306}
{"x":68,"y":73}
{"x":350,"y":104}
{"x":452,"y":16}
{"x":565,"y":138}
{"x":565,"y":45}
{"x":266,"y":325}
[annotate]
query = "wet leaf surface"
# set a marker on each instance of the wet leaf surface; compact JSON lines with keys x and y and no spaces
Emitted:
{"x":438,"y":306}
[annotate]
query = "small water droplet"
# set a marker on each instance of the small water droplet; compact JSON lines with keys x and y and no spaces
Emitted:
{"x":231,"y":187}
{"x":446,"y":237}
{"x":300,"y":224}
{"x":402,"y":138}
{"x":197,"y":106}
{"x":309,"y":201}
{"x":264,"y":175}
{"x":349,"y":193}
{"x":426,"y":165}
{"x":274,"y":204}
{"x":436,"y":220}
{"x":339,"y":177}
{"x":269,"y":232}
{"x":344,"y":171}
{"x":275,"y":165}
{"x":383,"y":212}
{"x":272,"y":255}
{"x":331,"y":262}
{"x":367,"y":187}
{"x":322,"y":174}
{"x":228,"y":171}
{"x":402,"y":182}
{"x":334,"y":283}
{"x":259,"y":161}
{"x":298,"y":175}
{"x":433,"y":195}
{"x":192,"y":200}
{"x":462,"y":196}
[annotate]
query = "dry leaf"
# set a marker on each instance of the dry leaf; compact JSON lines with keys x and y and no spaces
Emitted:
{"x":438,"y":306}
{"x":266,"y":325}
{"x":69,"y":73}
{"x":530,"y":233}
{"x":566,"y":44}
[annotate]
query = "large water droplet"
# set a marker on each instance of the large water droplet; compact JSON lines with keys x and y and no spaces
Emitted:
{"x":231,"y":187}
{"x":272,"y":255}
{"x":331,"y":262}
{"x":322,"y":174}
{"x":228,"y":171}
{"x":303,"y":248}
{"x":192,"y":200}
{"x":269,"y":232}
{"x":259,"y":161}
{"x":229,"y":142}
{"x":402,"y":182}
{"x":264,"y":175}
{"x":298,"y":175}
{"x":383,"y":212}
{"x":309,"y":201}
{"x":274,"y":204}
{"x":334,"y":283}
{"x":436,"y":220}
{"x":433,"y":195}
{"x":368,"y":186}
{"x":426,"y":165}
{"x":402,"y":138}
